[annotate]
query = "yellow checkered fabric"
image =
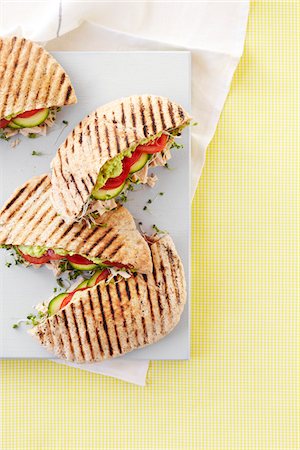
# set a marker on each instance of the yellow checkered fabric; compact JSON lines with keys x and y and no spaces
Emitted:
{"x":241,"y":388}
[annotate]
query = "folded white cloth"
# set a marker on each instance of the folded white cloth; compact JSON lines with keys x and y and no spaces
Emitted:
{"x":213,"y":31}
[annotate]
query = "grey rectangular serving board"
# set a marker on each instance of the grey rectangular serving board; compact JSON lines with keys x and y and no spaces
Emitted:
{"x":99,"y":77}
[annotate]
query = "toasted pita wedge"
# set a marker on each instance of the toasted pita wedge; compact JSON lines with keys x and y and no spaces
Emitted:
{"x":28,"y":219}
{"x":81,"y":168}
{"x":30,"y":79}
{"x":111,"y":319}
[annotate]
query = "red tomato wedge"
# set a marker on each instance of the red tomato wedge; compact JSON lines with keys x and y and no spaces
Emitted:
{"x":67,"y":299}
{"x":31,"y":259}
{"x":3,"y":123}
{"x":78,"y":259}
{"x":102,"y":276}
{"x":113,"y":183}
{"x":154,"y":146}
{"x":128,"y":162}
{"x":54,"y":256}
{"x":26,"y":114}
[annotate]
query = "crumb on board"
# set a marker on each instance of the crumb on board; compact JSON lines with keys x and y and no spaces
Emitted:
{"x":15,"y":142}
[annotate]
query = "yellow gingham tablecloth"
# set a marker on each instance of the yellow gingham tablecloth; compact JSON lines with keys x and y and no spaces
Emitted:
{"x":240,"y":390}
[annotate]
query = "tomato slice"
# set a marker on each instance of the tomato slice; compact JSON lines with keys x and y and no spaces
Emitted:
{"x":128,"y":162}
{"x":31,"y":259}
{"x":115,"y":264}
{"x":78,"y":259}
{"x":29,"y":113}
{"x":3,"y":123}
{"x":67,"y":299}
{"x":54,"y":256}
{"x":104,"y":274}
{"x":154,"y":146}
{"x":113,"y":183}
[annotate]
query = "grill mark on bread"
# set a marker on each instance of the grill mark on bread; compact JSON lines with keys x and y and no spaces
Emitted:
{"x":181,"y":112}
{"x":133,"y":119}
{"x":152,"y":115}
{"x":123,"y":120}
{"x":145,"y":334}
{"x":31,"y":75}
{"x":156,"y":283}
{"x":162,"y":118}
{"x":76,"y":187}
{"x":113,"y":316}
{"x":30,"y":194}
{"x":94,"y":244}
{"x":94,"y":322}
{"x":174,"y":274}
{"x":61,"y":169}
{"x":108,"y":244}
{"x":30,"y":225}
{"x":58,"y":336}
{"x":91,"y":179}
{"x":14,"y":72}
{"x":85,"y":186}
{"x":123,"y":313}
{"x":162,"y":269}
{"x":111,"y":352}
{"x":107,"y":137}
{"x":171,"y":113}
{"x":116,"y":251}
{"x":65,"y":320}
{"x":97,"y":134}
{"x":24,"y":70}
{"x":88,"y":337}
{"x":132,"y":317}
{"x":142,"y":114}
{"x":68,"y":94}
{"x":77,"y":329}
{"x":149,"y":298}
{"x":18,"y":194}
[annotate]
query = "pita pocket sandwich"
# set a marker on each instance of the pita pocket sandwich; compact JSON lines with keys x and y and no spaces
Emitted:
{"x":105,"y":317}
{"x":111,"y":149}
{"x":30,"y":226}
{"x":33,"y":87}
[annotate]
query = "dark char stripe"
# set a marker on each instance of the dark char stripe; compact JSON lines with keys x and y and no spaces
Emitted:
{"x":152,"y":115}
{"x":174,"y":273}
{"x":64,"y":318}
{"x":149,"y":298}
{"x":161,"y":114}
{"x":88,"y":337}
{"x":122,"y":310}
{"x":123,"y":120}
{"x":113,"y":316}
{"x":94,"y":321}
{"x":158,"y":293}
{"x":68,"y":93}
{"x":18,"y":194}
{"x":142,"y":113}
{"x":27,"y":197}
{"x":77,"y":330}
{"x":104,"y":321}
{"x":76,"y":187}
{"x":162,"y":268}
{"x":171,"y":112}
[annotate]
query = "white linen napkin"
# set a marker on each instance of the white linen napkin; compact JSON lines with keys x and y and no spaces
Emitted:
{"x":213,"y":31}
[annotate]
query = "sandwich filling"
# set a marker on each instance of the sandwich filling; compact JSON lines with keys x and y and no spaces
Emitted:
{"x":60,"y":259}
{"x":131,"y":166}
{"x":28,"y":123}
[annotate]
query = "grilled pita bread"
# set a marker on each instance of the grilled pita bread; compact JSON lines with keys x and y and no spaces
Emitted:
{"x":28,"y":218}
{"x":109,"y":320}
{"x":101,"y":136}
{"x":30,"y":78}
